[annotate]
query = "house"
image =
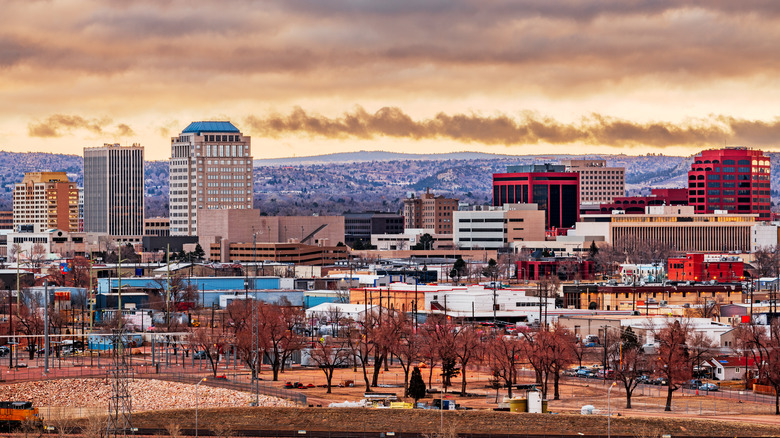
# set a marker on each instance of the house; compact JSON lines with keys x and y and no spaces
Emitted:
{"x":728,"y":368}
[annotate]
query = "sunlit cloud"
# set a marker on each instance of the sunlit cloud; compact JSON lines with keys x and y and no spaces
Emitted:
{"x":681,"y":73}
{"x":58,"y":125}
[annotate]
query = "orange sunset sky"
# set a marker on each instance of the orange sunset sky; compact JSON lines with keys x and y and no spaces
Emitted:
{"x":306,"y":77}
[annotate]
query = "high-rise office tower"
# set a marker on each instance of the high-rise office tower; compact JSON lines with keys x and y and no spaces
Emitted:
{"x":46,"y":200}
{"x":210,"y":168}
{"x":114,"y":190}
{"x":732,"y":179}
{"x":551,"y":187}
{"x":599,"y":184}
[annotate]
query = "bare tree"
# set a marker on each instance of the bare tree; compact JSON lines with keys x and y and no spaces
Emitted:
{"x":407,"y":349}
{"x":468,"y":345}
{"x":628,"y":363}
{"x":674,"y":357}
{"x":278,"y":336}
{"x":330,"y":353}
{"x":504,"y":352}
{"x":212,"y":343}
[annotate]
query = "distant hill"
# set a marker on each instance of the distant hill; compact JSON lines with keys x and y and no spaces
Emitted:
{"x":367,"y":156}
{"x":366,"y":180}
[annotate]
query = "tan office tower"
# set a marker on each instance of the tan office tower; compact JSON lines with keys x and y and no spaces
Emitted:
{"x":430,"y":212}
{"x":114,"y":190}
{"x":210,"y":168}
{"x":599,"y":184}
{"x":46,"y":200}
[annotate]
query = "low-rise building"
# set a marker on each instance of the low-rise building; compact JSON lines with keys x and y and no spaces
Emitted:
{"x":157,"y":226}
{"x":706,"y":267}
{"x":675,"y":226}
{"x":363,"y":226}
{"x":474,"y":302}
{"x":650,"y":299}
{"x":496,"y":227}
{"x":564,"y":268}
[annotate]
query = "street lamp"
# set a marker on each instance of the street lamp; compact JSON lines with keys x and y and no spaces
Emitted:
{"x":196,"y":405}
{"x":609,"y":412}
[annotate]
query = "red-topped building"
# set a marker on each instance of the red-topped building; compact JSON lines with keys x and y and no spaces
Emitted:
{"x":554,"y":190}
{"x":701,"y":267}
{"x":732,"y":179}
{"x":637,"y":204}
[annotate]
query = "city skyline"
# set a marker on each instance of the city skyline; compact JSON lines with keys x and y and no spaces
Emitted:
{"x":307,"y":78}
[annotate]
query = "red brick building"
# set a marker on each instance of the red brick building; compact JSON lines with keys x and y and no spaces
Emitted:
{"x":564,"y":268}
{"x":701,"y":267}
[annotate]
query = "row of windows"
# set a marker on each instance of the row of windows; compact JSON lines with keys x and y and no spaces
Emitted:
{"x":224,"y":192}
{"x":221,"y":137}
{"x":481,"y":230}
{"x":236,"y":184}
{"x":227,"y":200}
{"x":226,"y":150}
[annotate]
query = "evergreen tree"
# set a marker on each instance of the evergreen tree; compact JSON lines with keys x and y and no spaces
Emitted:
{"x":416,"y":389}
{"x":198,"y":253}
{"x":460,"y":269}
{"x":593,"y":250}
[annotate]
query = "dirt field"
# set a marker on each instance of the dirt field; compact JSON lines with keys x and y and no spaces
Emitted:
{"x":427,"y":421}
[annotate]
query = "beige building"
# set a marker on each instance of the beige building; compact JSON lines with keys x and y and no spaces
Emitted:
{"x":409,"y":238}
{"x":599,"y":184}
{"x":676,"y":226}
{"x":46,"y":200}
{"x":295,"y":253}
{"x":157,"y":226}
{"x":430,"y":212}
{"x":226,"y":227}
{"x":6,"y":220}
{"x":210,"y":169}
{"x":497,"y":227}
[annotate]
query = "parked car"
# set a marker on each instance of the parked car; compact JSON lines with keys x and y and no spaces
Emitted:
{"x":692,"y":384}
{"x":584,"y":372}
{"x":660,"y":381}
{"x":4,"y":351}
{"x":608,"y":374}
{"x":644,"y":378}
{"x":708,"y":387}
{"x":199,"y":354}
{"x":570,"y":373}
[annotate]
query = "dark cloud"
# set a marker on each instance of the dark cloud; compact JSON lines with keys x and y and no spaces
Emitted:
{"x":528,"y":128}
{"x":617,"y":40}
{"x":58,"y":125}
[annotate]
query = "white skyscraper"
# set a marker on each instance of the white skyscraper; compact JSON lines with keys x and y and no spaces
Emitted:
{"x":114,"y":190}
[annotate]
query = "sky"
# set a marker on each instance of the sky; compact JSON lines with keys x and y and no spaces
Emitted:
{"x":309,"y":77}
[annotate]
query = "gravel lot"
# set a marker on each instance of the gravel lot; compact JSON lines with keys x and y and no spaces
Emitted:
{"x":147,"y":395}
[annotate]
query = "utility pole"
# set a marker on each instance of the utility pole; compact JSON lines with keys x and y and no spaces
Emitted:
{"x":494,"y":303}
{"x":168,"y":284}
{"x":10,"y":332}
{"x":46,"y":326}
{"x":254,"y":248}
{"x":605,"y":352}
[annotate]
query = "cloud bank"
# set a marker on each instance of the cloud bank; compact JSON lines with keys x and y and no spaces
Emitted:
{"x":526,"y":129}
{"x":58,"y":124}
